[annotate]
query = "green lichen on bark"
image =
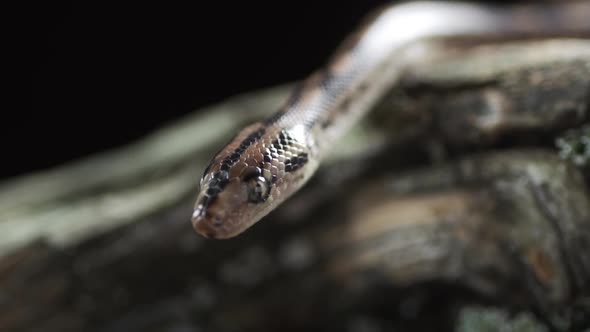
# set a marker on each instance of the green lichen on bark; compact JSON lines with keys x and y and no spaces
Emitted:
{"x":574,"y":145}
{"x":477,"y":319}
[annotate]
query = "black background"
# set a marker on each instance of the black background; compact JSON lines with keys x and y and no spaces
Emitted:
{"x":103,"y":73}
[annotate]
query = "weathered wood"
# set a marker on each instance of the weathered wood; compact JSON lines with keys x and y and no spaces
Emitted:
{"x":105,"y":244}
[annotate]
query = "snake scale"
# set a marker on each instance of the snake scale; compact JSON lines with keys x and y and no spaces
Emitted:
{"x":268,"y":161}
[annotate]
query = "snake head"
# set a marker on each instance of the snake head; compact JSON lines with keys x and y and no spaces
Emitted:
{"x":249,"y":177}
{"x":230,"y":201}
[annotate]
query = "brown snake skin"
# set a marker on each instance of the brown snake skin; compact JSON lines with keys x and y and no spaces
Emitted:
{"x":268,"y":161}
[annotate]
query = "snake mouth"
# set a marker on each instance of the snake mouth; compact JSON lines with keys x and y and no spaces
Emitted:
{"x":204,"y":229}
{"x":207,"y":224}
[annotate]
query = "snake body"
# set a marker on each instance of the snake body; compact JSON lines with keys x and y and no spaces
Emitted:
{"x":268,"y":161}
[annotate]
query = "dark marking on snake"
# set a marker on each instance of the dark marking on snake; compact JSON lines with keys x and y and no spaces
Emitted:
{"x":296,"y":162}
{"x":218,"y":182}
{"x":221,"y":178}
{"x":278,"y":148}
{"x":279,"y":145}
{"x":237,"y":153}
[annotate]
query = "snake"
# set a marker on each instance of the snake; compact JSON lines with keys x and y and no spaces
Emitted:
{"x":268,"y":161}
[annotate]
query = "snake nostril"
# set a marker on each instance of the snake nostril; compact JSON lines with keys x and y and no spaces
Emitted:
{"x":216,"y":221}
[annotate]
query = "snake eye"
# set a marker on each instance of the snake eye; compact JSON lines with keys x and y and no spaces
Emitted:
{"x":258,"y":190}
